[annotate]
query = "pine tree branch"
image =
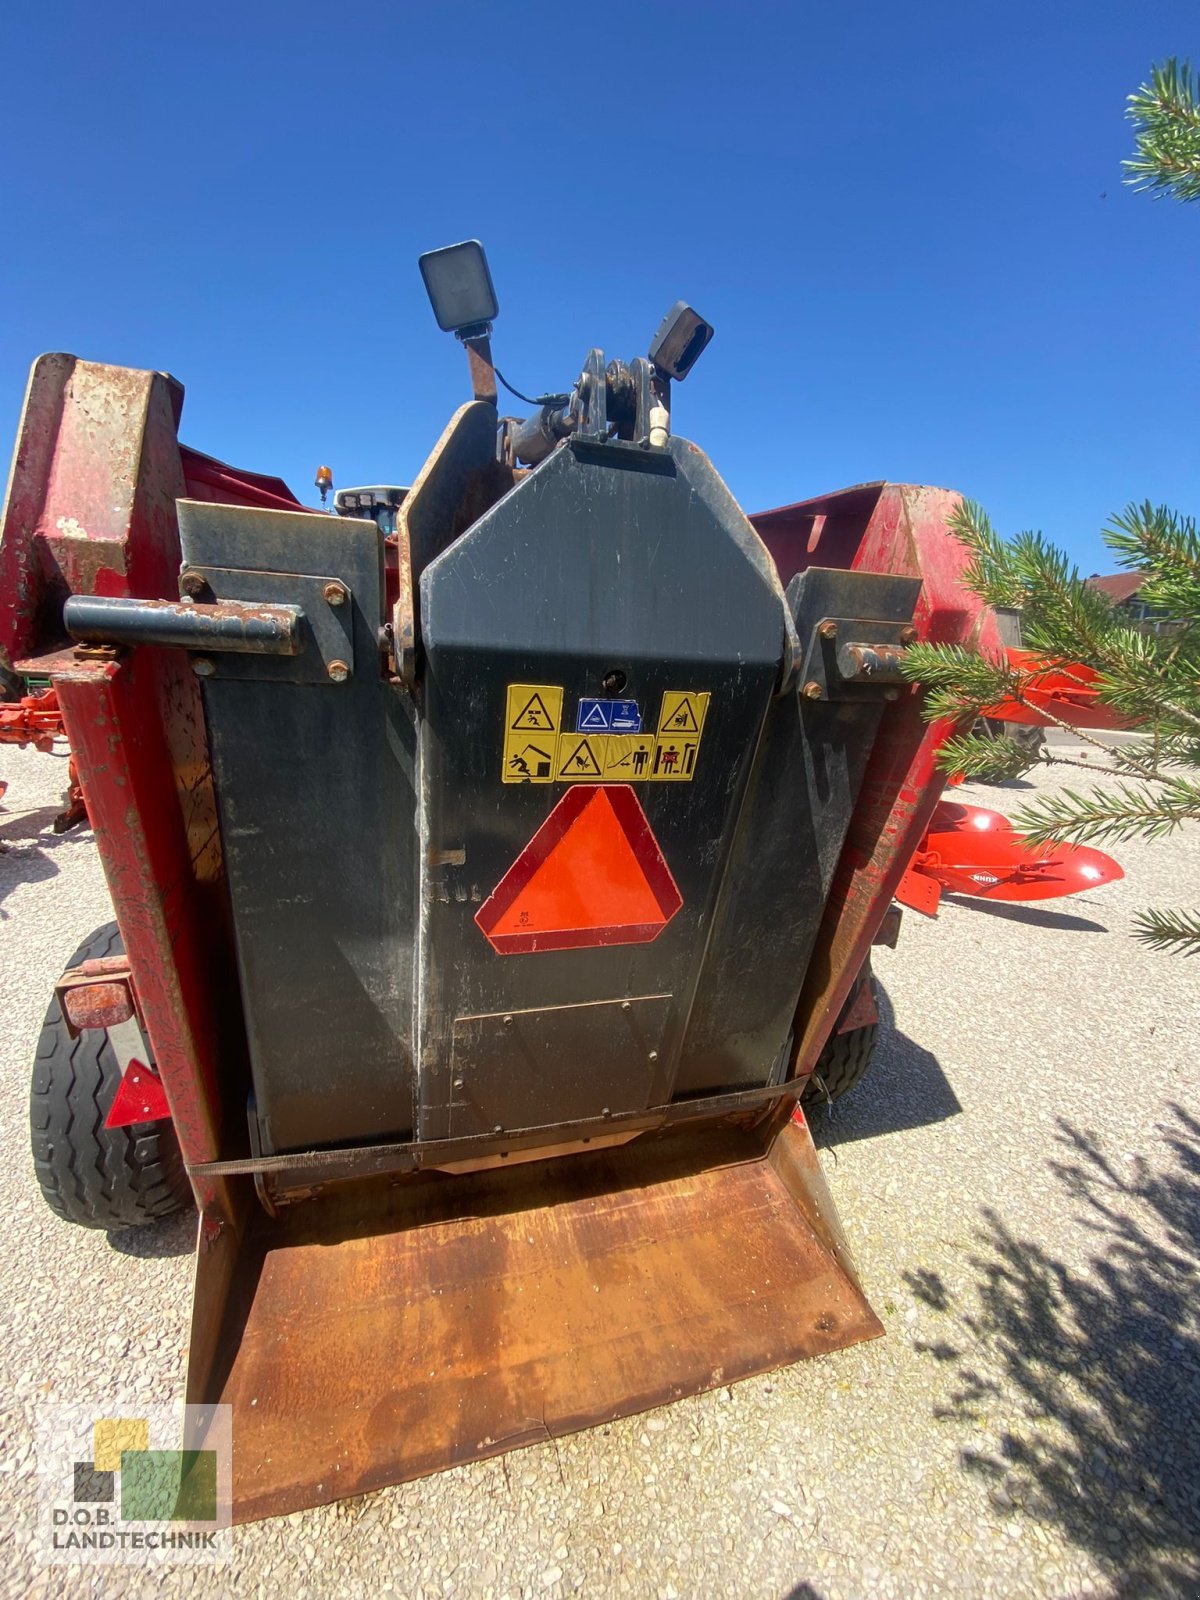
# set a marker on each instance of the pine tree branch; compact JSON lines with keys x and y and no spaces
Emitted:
{"x":1165,"y":114}
{"x":1122,"y":813}
{"x":1171,"y":930}
{"x":977,"y":755}
{"x":959,"y":682}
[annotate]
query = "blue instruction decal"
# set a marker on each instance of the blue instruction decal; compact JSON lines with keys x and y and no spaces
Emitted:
{"x":608,"y":716}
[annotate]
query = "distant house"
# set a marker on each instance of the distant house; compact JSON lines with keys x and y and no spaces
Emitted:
{"x":1123,"y":591}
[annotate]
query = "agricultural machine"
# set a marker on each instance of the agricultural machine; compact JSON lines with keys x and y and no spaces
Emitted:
{"x":494,"y":863}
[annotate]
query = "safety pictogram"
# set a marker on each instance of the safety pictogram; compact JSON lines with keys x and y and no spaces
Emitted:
{"x":674,"y":760}
{"x":628,"y":757}
{"x":608,"y":716}
{"x":680,"y":724}
{"x":579,"y":756}
{"x":532,"y":714}
{"x":608,"y":742}
{"x":593,"y":874}
{"x":683,"y":713}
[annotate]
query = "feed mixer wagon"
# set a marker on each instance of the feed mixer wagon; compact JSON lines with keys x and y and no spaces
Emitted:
{"x":494,"y":862}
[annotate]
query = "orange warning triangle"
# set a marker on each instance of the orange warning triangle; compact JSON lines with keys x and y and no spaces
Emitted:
{"x":592,"y":874}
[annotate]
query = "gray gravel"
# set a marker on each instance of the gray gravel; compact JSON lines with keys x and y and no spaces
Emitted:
{"x":1020,"y":1181}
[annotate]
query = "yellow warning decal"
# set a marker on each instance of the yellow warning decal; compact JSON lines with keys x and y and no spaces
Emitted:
{"x":580,"y":757}
{"x":683,"y":713}
{"x":628,"y":757}
{"x":674,"y":760}
{"x":680,"y":724}
{"x":535,"y":751}
{"x":532,"y":717}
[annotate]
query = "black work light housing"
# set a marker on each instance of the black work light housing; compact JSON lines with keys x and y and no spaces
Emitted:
{"x":459,"y":286}
{"x":680,"y":340}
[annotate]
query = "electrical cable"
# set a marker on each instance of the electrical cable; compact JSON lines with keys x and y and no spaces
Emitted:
{"x":542,"y":400}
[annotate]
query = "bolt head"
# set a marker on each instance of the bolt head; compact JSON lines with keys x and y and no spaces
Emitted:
{"x":193,"y":585}
{"x":828,"y":629}
{"x":338,"y":671}
{"x":335,"y":594}
{"x":203,"y":667}
{"x":908,"y":635}
{"x":812,"y":690}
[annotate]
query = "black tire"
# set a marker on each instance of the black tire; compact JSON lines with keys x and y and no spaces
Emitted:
{"x":843,"y":1063}
{"x":1030,"y":736}
{"x":95,"y":1176}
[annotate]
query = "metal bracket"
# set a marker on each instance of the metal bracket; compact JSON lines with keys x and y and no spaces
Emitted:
{"x":856,"y":649}
{"x":325,"y":627}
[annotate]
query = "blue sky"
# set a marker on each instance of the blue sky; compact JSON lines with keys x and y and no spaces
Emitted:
{"x":906,"y":223}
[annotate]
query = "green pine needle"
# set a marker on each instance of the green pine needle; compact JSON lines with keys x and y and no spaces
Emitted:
{"x":1166,"y":118}
{"x":1125,"y":812}
{"x":976,"y":755}
{"x":1170,"y":930}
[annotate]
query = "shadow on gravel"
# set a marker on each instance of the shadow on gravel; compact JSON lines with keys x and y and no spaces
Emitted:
{"x":1107,"y":1364}
{"x":175,"y":1236}
{"x":904,"y":1088}
{"x":27,"y":848}
{"x":1034,"y":916}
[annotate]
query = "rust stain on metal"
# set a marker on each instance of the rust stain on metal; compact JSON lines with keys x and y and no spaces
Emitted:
{"x":455,"y":1318}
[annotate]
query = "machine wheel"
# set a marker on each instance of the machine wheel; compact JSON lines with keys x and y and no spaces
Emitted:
{"x":96,"y":1176}
{"x":1030,"y":737}
{"x":843,"y":1062}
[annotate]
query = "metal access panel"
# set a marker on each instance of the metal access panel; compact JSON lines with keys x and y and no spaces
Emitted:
{"x":610,"y":578}
{"x":556,"y":1064}
{"x":573,"y":877}
{"x":316,"y":792}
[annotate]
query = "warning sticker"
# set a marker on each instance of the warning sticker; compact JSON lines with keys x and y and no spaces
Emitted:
{"x":608,"y":716}
{"x":628,"y":757}
{"x":674,"y":760}
{"x":608,"y":742}
{"x":680,"y":724}
{"x":579,"y":756}
{"x":534,"y":708}
{"x":683,"y":713}
{"x":532,"y":715}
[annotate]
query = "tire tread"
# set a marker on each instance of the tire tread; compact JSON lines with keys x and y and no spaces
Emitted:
{"x":95,"y":1176}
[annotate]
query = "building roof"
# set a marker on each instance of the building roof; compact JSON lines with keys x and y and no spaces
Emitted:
{"x":1120,"y":586}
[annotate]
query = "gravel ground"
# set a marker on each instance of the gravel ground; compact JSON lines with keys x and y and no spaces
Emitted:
{"x":1020,"y":1182}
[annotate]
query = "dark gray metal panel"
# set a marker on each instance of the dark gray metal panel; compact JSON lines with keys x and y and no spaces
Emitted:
{"x":802,"y":790}
{"x":316,"y":794}
{"x":603,"y":559}
{"x":529,"y":1069}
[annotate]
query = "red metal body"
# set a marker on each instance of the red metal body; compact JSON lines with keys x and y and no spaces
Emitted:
{"x":91,"y":509}
{"x":969,"y":850}
{"x":35,"y":719}
{"x":1056,"y":692}
{"x":878,"y":527}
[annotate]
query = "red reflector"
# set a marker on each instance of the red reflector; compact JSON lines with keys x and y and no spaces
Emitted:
{"x":861,"y":1012}
{"x":592,"y":874}
{"x":97,"y":1005}
{"x":139,"y":1098}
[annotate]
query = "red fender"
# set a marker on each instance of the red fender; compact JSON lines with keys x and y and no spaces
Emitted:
{"x":969,"y":850}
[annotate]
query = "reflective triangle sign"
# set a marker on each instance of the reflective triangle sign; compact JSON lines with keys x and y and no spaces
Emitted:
{"x":592,"y":874}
